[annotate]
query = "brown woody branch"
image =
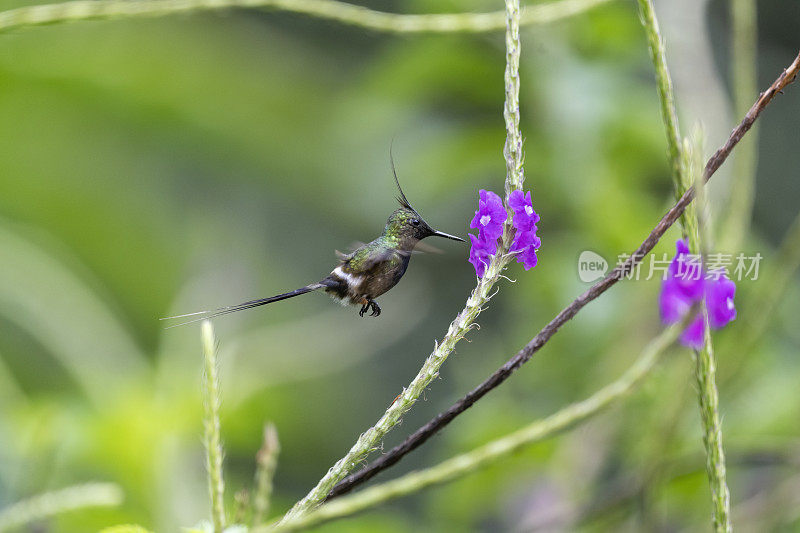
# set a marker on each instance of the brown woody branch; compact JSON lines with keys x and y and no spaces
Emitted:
{"x":500,"y":375}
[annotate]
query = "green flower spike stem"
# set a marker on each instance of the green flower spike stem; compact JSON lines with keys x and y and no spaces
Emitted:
{"x":213,"y":441}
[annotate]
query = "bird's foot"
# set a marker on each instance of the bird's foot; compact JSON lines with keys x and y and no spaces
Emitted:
{"x":370,"y":305}
{"x":376,"y":310}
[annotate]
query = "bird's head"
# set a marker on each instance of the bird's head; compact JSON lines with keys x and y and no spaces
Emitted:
{"x":405,"y":224}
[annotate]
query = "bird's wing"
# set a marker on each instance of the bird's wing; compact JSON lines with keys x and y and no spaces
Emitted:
{"x":367,"y":257}
{"x":420,"y":248}
{"x":345,"y":256}
{"x":423,"y":247}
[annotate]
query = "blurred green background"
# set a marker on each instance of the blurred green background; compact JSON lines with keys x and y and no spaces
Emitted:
{"x":155,"y":167}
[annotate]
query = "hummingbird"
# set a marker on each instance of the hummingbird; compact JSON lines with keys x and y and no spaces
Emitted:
{"x":364,"y":274}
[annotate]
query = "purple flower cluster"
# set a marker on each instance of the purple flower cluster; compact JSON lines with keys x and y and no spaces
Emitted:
{"x":489,"y":220}
{"x":686,"y":283}
{"x":526,"y":242}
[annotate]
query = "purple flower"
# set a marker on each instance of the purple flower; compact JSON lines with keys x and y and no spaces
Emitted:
{"x":525,"y":239}
{"x":526,"y":242}
{"x":686,"y":271}
{"x":528,"y":257}
{"x":479,"y":254}
{"x":686,"y":284}
{"x":490,"y":217}
{"x":719,"y":301}
{"x":525,"y":218}
{"x":489,"y":220}
{"x":525,"y":245}
{"x":694,"y":334}
{"x":673,"y":302}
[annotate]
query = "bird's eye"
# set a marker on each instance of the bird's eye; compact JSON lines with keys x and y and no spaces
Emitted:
{"x":415,"y":221}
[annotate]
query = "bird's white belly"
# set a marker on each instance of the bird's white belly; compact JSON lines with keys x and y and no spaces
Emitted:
{"x":353,"y":280}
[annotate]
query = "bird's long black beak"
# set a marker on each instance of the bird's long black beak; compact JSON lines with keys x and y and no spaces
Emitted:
{"x":447,"y":236}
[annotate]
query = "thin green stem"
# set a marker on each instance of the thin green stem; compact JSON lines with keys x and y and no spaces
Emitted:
{"x":705,"y":364}
{"x":744,"y":31}
{"x":665,"y":94}
{"x":213,"y":441}
{"x":696,"y":214}
{"x":465,"y":320}
{"x":496,"y":450}
{"x":513,"y":147}
{"x":705,"y":372}
{"x":59,"y":501}
{"x":344,"y":13}
{"x":266,"y":461}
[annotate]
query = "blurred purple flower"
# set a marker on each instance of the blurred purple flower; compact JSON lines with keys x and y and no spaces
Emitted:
{"x":694,"y":334}
{"x":686,"y":284}
{"x":489,"y":218}
{"x":686,"y":271}
{"x":719,"y":301}
{"x":673,"y":302}
{"x":682,"y":286}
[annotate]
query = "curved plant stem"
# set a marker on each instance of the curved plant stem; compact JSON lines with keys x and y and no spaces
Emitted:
{"x":437,"y":423}
{"x":465,"y":320}
{"x":213,"y":441}
{"x":469,"y":462}
{"x":59,"y":501}
{"x":342,"y":12}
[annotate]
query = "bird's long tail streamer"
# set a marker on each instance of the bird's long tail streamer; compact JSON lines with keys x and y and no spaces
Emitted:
{"x":204,"y":315}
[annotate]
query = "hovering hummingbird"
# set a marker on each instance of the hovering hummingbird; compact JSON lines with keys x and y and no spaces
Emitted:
{"x":364,"y":274}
